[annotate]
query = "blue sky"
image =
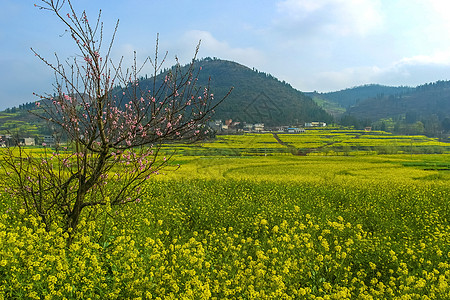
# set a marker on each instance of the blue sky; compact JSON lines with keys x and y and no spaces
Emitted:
{"x":322,"y":45}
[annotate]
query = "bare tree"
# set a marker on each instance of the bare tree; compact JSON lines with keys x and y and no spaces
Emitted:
{"x":114,"y":128}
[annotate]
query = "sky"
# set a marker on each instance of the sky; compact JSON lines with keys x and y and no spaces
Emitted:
{"x":315,"y":45}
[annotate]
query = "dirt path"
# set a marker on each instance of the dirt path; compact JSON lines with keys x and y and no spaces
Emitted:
{"x":292,"y":149}
{"x":279,"y":140}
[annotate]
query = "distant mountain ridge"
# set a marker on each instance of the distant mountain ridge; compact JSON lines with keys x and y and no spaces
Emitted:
{"x":339,"y":101}
{"x":428,"y":104}
{"x":428,"y":99}
{"x":422,"y":109}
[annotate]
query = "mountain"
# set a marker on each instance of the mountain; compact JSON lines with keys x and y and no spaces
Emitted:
{"x":428,"y":104}
{"x":424,"y":109}
{"x":351,"y":96}
{"x":257,"y":97}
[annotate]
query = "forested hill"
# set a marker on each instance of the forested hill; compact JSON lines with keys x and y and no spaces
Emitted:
{"x":425,"y":102}
{"x":351,"y":96}
{"x":257,"y":97}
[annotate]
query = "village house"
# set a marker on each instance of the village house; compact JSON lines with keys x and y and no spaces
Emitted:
{"x":5,"y":141}
{"x":258,"y":127}
{"x":10,"y":141}
{"x":315,"y":124}
{"x":215,"y":125}
{"x":48,"y":141}
{"x":27,"y":141}
{"x":295,"y":130}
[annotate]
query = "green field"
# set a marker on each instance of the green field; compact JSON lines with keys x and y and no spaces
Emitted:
{"x":352,"y":215}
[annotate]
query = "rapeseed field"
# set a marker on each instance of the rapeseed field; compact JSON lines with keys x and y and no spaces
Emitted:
{"x":250,"y":224}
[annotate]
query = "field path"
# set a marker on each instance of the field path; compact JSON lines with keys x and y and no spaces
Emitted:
{"x":279,"y":140}
{"x":292,"y":149}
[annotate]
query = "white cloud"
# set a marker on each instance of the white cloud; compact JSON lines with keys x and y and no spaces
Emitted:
{"x":297,"y":10}
{"x":419,"y":25}
{"x":440,"y":22}
{"x":438,"y":58}
{"x":336,"y":17}
{"x":441,"y":7}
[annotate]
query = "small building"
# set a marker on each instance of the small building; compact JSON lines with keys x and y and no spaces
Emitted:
{"x":10,"y":141}
{"x":316,"y":124}
{"x":27,"y":141}
{"x":48,"y":141}
{"x":215,"y":125}
{"x":7,"y":141}
{"x":258,"y":127}
{"x":248,"y":127}
{"x":295,"y":130}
